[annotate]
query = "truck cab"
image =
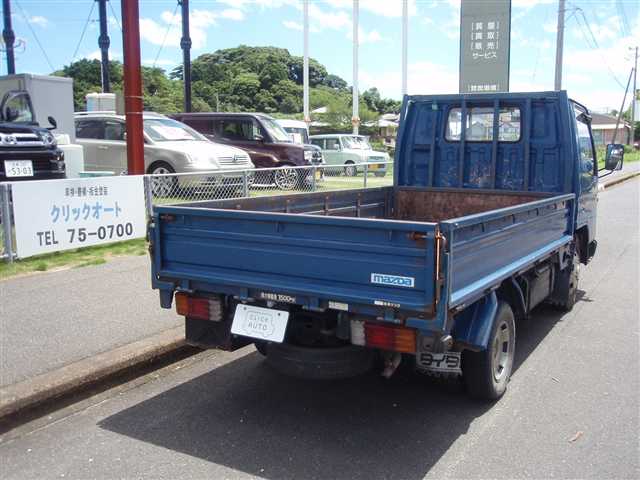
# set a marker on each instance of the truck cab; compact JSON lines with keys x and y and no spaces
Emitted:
{"x":27,"y":151}
{"x":492,"y":211}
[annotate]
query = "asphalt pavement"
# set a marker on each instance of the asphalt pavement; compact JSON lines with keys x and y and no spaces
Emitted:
{"x":53,"y":319}
{"x":571,"y":410}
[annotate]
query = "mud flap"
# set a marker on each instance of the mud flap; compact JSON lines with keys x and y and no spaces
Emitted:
{"x":209,"y":334}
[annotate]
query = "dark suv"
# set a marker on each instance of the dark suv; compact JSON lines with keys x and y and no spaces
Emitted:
{"x":27,"y":151}
{"x":266,"y":142}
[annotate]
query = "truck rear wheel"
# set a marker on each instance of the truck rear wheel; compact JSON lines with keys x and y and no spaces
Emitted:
{"x":565,"y":292}
{"x":486,"y":373}
{"x":319,"y":363}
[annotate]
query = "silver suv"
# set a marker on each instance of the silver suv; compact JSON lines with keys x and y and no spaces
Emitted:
{"x":169,"y":147}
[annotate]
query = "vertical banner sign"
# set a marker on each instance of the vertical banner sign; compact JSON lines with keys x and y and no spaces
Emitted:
{"x":59,"y":215}
{"x":485,"y":36}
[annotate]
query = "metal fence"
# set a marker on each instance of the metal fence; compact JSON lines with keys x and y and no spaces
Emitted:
{"x":215,"y":185}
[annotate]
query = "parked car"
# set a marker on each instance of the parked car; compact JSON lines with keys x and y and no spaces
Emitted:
{"x":268,"y":145}
{"x":170,"y":147}
{"x":348,"y":150}
{"x":299,"y":133}
{"x":27,"y":151}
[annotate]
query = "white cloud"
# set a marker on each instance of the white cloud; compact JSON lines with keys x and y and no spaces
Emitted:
{"x":385,"y":8}
{"x":96,"y":55}
{"x":328,"y":20}
{"x":290,"y":24}
{"x":232,"y":14}
{"x":423,"y":78}
{"x":200,"y":21}
{"x":372,"y":36}
{"x":39,"y":20}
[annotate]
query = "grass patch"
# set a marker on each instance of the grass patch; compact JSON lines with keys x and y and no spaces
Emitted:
{"x":81,"y":257}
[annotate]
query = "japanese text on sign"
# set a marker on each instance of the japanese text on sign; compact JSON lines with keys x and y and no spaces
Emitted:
{"x":58,"y":215}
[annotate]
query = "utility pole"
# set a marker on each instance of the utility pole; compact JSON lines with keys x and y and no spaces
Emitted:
{"x":634,"y":98}
{"x":9,"y":37}
{"x":355,"y":119}
{"x":103,"y":43}
{"x":624,"y":99}
{"x":559,"y":45}
{"x":185,"y":44}
{"x":405,"y":35}
{"x":305,"y":64}
{"x":132,"y":86}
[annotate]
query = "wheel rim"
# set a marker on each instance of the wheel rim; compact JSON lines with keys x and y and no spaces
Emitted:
{"x":286,"y":178}
{"x":161,"y":186}
{"x":502,"y":354}
{"x":350,"y":171}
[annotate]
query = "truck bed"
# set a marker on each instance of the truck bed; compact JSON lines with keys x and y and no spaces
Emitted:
{"x":420,"y":251}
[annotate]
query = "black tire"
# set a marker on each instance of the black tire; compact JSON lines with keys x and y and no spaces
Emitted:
{"x":261,"y":347}
{"x":565,"y":292}
{"x":350,"y":170}
{"x":162,"y":187}
{"x":319,"y":363}
{"x":380,"y":174}
{"x":487,"y":373}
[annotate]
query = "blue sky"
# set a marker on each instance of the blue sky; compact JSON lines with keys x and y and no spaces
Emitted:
{"x":597,"y":61}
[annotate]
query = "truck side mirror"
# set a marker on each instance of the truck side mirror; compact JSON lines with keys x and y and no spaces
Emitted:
{"x":52,"y":122}
{"x":614,"y":157}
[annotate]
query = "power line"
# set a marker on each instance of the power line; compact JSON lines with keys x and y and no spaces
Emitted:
{"x":595,"y":46}
{"x":115,"y":17}
{"x":26,"y":19}
{"x":166,"y":34}
{"x":626,"y":29}
{"x":86,"y":24}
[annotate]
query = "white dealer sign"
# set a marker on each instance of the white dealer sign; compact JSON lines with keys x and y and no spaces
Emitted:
{"x":53,"y":215}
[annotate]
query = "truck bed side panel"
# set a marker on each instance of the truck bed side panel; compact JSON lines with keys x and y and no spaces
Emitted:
{"x":489,"y":247}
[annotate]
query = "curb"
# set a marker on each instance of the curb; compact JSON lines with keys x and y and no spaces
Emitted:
{"x":83,"y":373}
{"x":620,"y":179}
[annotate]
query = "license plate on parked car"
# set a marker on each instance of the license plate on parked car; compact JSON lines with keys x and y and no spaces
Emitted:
{"x":260,"y":323}
{"x":18,"y":168}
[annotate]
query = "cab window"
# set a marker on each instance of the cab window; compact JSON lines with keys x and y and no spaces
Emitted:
{"x":588,"y":164}
{"x":479,"y":124}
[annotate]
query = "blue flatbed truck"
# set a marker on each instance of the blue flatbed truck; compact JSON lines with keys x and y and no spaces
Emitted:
{"x":492,"y":210}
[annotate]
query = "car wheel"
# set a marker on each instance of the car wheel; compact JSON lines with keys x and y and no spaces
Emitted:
{"x":380,"y":174}
{"x":566,"y":290}
{"x":285,"y":178}
{"x":350,"y":170}
{"x":487,"y":373}
{"x":162,"y":185}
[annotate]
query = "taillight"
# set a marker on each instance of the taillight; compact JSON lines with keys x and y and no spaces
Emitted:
{"x":198,"y":307}
{"x":394,"y":338}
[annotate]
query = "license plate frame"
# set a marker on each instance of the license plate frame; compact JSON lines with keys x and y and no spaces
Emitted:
{"x":18,"y":168}
{"x":447,"y":362}
{"x":261,"y":323}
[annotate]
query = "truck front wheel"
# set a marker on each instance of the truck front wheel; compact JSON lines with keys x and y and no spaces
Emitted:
{"x":487,"y":373}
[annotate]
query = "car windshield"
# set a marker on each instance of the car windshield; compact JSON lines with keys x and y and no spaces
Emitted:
{"x":275,"y":130}
{"x":358,"y":143}
{"x":167,"y":130}
{"x":299,"y":134}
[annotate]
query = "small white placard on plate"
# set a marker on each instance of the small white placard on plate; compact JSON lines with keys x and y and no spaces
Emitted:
{"x":260,"y":323}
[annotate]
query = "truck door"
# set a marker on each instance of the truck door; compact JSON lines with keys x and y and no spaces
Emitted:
{"x":587,"y":172}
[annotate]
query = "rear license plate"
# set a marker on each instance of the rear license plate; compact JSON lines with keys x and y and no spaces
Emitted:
{"x":374,"y":166}
{"x":440,"y":362}
{"x":260,"y":323}
{"x":18,"y":168}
